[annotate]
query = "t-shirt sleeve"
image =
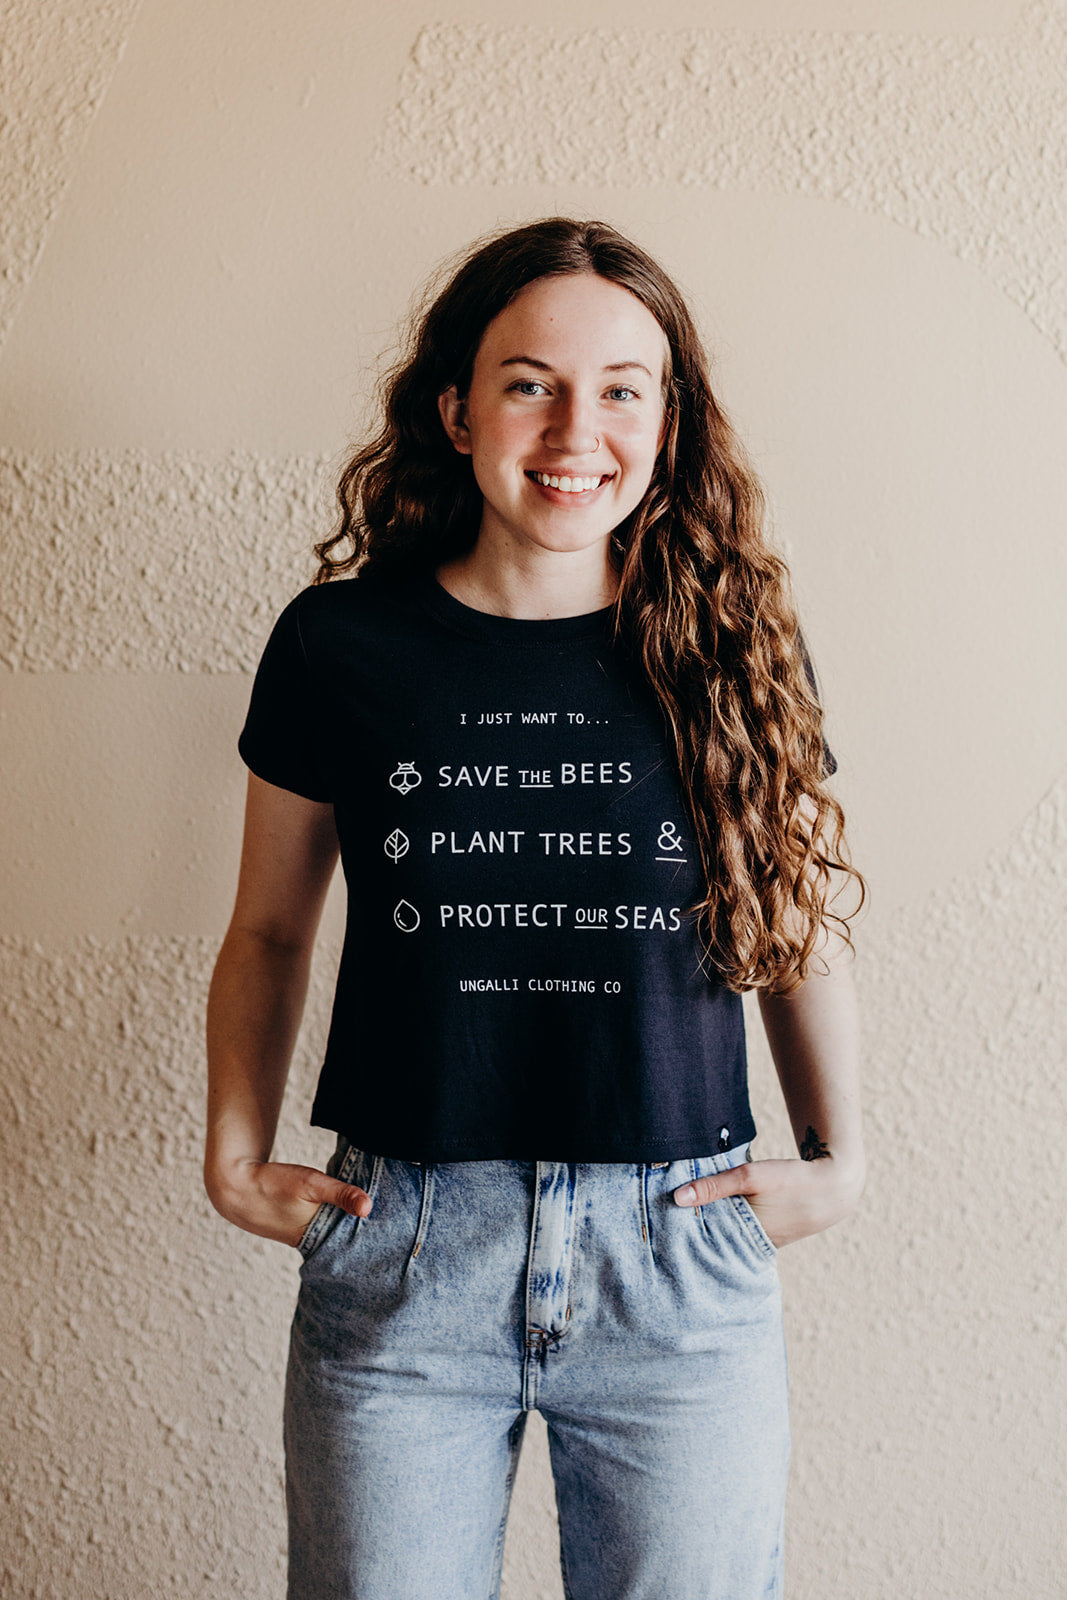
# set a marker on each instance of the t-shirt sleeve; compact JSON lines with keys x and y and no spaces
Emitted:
{"x":829,"y":760}
{"x":279,"y":741}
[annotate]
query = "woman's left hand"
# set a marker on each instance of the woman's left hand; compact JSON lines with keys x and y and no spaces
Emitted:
{"x":791,"y":1198}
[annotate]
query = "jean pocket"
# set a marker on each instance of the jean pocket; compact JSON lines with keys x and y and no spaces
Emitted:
{"x":732,"y":1217}
{"x":753,"y":1225}
{"x":348,"y":1165}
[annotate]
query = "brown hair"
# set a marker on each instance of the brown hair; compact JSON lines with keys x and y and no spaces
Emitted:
{"x":703,"y":603}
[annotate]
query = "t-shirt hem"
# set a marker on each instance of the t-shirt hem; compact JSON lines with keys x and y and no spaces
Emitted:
{"x":680,"y":1146}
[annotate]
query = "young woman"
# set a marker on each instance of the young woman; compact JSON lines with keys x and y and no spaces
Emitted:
{"x":562,"y":730}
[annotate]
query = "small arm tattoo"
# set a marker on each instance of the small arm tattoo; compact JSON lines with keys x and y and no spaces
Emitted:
{"x":812,"y":1147}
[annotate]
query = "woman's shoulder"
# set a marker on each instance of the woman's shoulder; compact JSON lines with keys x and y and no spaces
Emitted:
{"x":372,"y":599}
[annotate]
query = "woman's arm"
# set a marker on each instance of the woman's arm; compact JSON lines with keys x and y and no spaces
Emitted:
{"x":814,"y":1038}
{"x":254,"y":1008}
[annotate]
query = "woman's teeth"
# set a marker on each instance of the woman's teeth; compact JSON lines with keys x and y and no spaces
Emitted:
{"x":568,"y":485}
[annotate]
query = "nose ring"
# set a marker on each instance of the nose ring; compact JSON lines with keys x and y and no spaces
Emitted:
{"x":596,"y":446}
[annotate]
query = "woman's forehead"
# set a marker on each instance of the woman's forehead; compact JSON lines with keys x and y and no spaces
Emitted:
{"x":578,"y":318}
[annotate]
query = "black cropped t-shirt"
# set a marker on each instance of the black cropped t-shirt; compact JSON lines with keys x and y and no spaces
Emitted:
{"x":521,"y":976}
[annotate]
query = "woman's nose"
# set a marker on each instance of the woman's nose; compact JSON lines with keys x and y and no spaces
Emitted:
{"x":570,"y":427}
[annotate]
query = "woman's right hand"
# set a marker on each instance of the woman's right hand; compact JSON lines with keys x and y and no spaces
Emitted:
{"x":277,"y":1200}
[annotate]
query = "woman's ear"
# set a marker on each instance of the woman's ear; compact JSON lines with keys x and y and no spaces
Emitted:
{"x":454,"y":416}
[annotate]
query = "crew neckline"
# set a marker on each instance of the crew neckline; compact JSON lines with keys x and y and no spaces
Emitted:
{"x":514,"y":630}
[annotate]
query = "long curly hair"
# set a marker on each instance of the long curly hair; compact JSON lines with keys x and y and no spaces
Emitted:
{"x":703,"y":605}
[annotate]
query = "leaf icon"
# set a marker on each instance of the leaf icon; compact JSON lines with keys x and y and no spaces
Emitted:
{"x":398,"y":844}
{"x":406,"y":917}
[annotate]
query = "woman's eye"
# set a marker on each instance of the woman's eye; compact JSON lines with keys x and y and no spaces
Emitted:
{"x":527,"y":386}
{"x":622,"y":391}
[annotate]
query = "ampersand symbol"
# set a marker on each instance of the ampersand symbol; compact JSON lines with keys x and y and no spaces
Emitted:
{"x":668,"y":838}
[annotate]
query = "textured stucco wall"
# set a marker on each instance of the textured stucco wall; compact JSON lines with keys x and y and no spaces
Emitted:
{"x":212,"y":218}
{"x":56,"y":63}
{"x":921,"y":129}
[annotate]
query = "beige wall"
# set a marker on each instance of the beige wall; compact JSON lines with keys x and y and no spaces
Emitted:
{"x":212,"y":217}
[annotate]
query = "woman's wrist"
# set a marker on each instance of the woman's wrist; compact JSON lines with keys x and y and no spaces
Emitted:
{"x":226,"y":1174}
{"x":846,"y":1171}
{"x":843,"y":1146}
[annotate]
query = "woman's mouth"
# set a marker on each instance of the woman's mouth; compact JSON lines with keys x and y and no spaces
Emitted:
{"x":569,"y":485}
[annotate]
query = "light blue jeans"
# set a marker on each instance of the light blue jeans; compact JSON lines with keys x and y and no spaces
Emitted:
{"x":648,"y":1335}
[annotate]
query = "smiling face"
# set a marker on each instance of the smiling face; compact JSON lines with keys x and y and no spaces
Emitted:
{"x":564,"y":416}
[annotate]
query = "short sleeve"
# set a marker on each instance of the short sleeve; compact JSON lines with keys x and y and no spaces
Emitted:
{"x":279,"y":740}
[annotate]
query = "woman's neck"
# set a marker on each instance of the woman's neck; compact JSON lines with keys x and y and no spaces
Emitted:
{"x":537,"y":587}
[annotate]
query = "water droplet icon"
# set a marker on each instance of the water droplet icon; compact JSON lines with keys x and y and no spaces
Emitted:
{"x":398,"y":844}
{"x":406,"y":917}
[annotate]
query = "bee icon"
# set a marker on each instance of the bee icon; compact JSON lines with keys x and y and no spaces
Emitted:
{"x":405,"y":778}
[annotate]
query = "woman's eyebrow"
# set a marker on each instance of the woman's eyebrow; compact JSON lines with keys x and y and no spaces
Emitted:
{"x":543,"y":366}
